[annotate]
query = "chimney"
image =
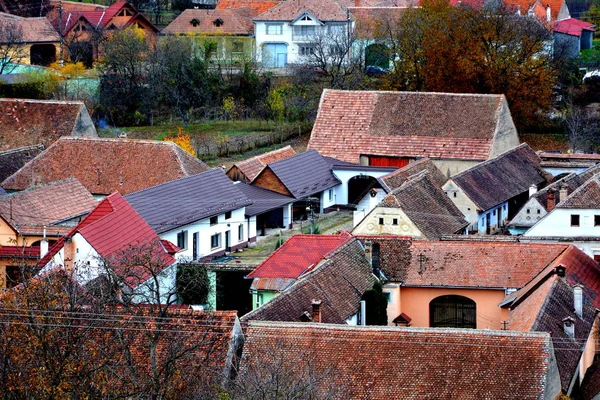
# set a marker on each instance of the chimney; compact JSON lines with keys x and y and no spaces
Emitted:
{"x":550,"y":201}
{"x":548,"y":13}
{"x":316,"y":310}
{"x":43,"y":245}
{"x":578,"y":300}
{"x":369,"y":251}
{"x":363,"y":312}
{"x":569,"y":326}
{"x":560,"y":271}
{"x":69,"y":254}
{"x":563,"y":192}
{"x":532,"y":190}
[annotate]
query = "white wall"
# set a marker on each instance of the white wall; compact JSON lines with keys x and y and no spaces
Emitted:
{"x":206,"y":230}
{"x":464,"y":204}
{"x":344,"y":175}
{"x":88,"y":264}
{"x":365,"y":205}
{"x":558,"y":224}
{"x":146,"y":293}
{"x":501,"y":209}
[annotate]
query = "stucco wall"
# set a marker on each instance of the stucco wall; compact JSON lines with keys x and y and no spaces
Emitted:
{"x":84,"y":126}
{"x":453,"y":167}
{"x":566,"y":45}
{"x":464,"y":204}
{"x":505,"y":136}
{"x":529,"y":214}
{"x":415,"y":303}
{"x":370,"y":225}
{"x":558,"y":223}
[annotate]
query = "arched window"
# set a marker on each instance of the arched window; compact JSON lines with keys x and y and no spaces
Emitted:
{"x":452,"y":311}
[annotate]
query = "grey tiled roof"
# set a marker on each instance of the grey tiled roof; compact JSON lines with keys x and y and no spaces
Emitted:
{"x":12,"y":160}
{"x":183,"y":201}
{"x":305,"y":174}
{"x":263,"y":200}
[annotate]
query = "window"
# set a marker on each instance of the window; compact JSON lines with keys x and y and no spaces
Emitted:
{"x":218,"y":22}
{"x":574,"y":219}
{"x":376,"y":259}
{"x":237,"y":46}
{"x":596,"y":220}
{"x":336,"y":29}
{"x":336,"y":50}
{"x":228,"y":215}
{"x":330,"y":193}
{"x":137,"y":25}
{"x":395,"y":221}
{"x":304,"y":30}
{"x":494,"y":213}
{"x":388,"y":296}
{"x":454,"y":194}
{"x":528,"y":211}
{"x":452,"y":312}
{"x":241,"y":232}
{"x":215,"y":241}
{"x":214,"y":220}
{"x":195,"y":22}
{"x":539,"y":211}
{"x":182,"y":240}
{"x":380,"y":221}
{"x":274,"y":29}
{"x":259,"y":300}
{"x":306,"y":50}
{"x":504,"y":207}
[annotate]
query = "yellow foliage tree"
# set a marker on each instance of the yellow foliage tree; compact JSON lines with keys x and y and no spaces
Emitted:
{"x":183,"y":140}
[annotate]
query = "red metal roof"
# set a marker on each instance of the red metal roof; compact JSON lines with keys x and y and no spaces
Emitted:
{"x":298,"y":255}
{"x":573,"y":26}
{"x":19,"y":252}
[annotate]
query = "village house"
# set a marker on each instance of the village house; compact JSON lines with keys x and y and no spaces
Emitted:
{"x":296,"y":257}
{"x":565,"y":163}
{"x":490,"y":194}
{"x":226,"y":36}
{"x":249,"y":169}
{"x":105,"y":165}
{"x":309,"y":279}
{"x":269,"y":210}
{"x":419,"y":208}
{"x":28,"y":122}
{"x":28,"y":41}
{"x":34,"y":219}
{"x":571,"y":36}
{"x":204,"y":214}
{"x":456,"y":131}
{"x":260,"y":6}
{"x":574,"y":219}
{"x":111,"y":241}
{"x":543,"y":200}
{"x":390,"y":362}
{"x":84,"y":29}
{"x":12,"y":160}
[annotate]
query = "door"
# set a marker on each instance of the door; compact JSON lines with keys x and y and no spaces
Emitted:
{"x":274,"y":55}
{"x":488,"y":222}
{"x":227,"y":240}
{"x":195,"y":243}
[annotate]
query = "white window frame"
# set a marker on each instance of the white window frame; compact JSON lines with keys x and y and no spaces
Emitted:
{"x":274,"y":29}
{"x":240,"y":232}
{"x":218,"y":241}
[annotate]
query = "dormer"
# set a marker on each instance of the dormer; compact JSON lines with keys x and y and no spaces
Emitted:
{"x":218,"y":22}
{"x":306,"y":18}
{"x":125,"y":12}
{"x":195,"y":22}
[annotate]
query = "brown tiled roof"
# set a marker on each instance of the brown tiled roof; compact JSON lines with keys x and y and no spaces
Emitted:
{"x":251,"y":167}
{"x":236,"y":21}
{"x":324,"y":10}
{"x":12,"y":160}
{"x":32,"y":122}
{"x":338,"y":280}
{"x":427,"y":206}
{"x":501,"y":178}
{"x":260,"y":6}
{"x":405,"y":124}
{"x":590,"y":387}
{"x":587,"y":196}
{"x":34,"y":30}
{"x":30,"y":210}
{"x":371,"y":22}
{"x":395,"y":255}
{"x":108,"y":165}
{"x":524,"y":316}
{"x":365,"y":362}
{"x":395,"y":179}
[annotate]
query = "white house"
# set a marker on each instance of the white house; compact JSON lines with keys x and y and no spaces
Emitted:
{"x":204,"y":214}
{"x":290,"y":31}
{"x":110,"y":244}
{"x":576,"y":220}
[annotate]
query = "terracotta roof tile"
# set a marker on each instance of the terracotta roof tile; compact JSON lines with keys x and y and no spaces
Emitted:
{"x":397,"y":178}
{"x":364,"y":362}
{"x":237,"y":21}
{"x":298,"y":255}
{"x":405,"y":124}
{"x":30,"y":210}
{"x":34,"y":30}
{"x":338,"y":280}
{"x":33,"y":122}
{"x":12,"y":160}
{"x":427,"y":206}
{"x":110,"y":165}
{"x":251,"y":167}
{"x":501,"y":178}
{"x":260,"y":6}
{"x":590,"y":386}
{"x":324,"y":10}
{"x":587,"y":196}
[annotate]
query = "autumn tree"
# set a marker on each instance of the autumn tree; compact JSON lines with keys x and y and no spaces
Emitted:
{"x":457,"y":49}
{"x":12,"y":46}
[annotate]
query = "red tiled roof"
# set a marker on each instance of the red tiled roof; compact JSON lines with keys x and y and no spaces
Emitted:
{"x":397,"y":178}
{"x":324,"y":10}
{"x":298,"y":255}
{"x":19,"y":251}
{"x":366,"y":362}
{"x":237,"y":21}
{"x":123,"y":165}
{"x":586,"y":196}
{"x":572,"y":26}
{"x":539,"y":7}
{"x":34,"y":30}
{"x":260,"y":6}
{"x":406,"y":124}
{"x":30,"y":210}
{"x":251,"y":167}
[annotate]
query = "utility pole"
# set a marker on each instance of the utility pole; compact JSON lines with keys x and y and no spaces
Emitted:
{"x":312,"y":213}
{"x":60,"y":34}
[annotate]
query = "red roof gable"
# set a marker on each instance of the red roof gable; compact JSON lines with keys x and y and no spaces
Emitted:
{"x":298,"y":255}
{"x":573,"y":26}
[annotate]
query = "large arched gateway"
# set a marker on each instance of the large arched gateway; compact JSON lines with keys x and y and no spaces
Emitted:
{"x":452,"y":311}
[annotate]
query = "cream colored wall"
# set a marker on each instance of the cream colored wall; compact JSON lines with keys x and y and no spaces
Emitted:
{"x":370,"y":224}
{"x":505,"y":136}
{"x":462,"y":202}
{"x":394,"y":307}
{"x":8,"y":236}
{"x":415,"y":303}
{"x":453,"y":167}
{"x":590,"y":350}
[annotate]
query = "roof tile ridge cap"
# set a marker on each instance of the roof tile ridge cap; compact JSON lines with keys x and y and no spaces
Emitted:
{"x":408,"y":183}
{"x":41,"y":101}
{"x":581,"y":188}
{"x":407,"y":167}
{"x":544,"y":304}
{"x":77,"y":228}
{"x":489,"y":161}
{"x":344,"y":242}
{"x":44,"y":186}
{"x":24,"y":148}
{"x":178,"y":153}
